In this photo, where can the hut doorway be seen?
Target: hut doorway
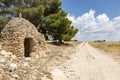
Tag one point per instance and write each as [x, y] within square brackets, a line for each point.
[28, 45]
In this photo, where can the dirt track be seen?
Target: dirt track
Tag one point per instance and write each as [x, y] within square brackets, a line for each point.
[88, 63]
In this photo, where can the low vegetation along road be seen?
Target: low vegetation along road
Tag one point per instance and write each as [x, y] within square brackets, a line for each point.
[88, 63]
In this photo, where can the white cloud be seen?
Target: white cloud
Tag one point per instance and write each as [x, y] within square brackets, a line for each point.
[116, 22]
[96, 28]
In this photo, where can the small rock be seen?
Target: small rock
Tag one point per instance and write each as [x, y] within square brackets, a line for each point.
[5, 53]
[13, 66]
[13, 57]
[15, 76]
[58, 74]
[25, 64]
[2, 59]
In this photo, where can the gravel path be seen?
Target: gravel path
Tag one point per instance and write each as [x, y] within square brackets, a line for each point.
[87, 63]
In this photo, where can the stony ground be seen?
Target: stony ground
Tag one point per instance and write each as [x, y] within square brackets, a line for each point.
[13, 68]
[68, 62]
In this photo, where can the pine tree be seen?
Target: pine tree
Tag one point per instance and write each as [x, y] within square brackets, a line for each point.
[59, 27]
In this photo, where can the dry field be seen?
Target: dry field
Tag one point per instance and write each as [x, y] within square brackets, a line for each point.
[107, 46]
[112, 48]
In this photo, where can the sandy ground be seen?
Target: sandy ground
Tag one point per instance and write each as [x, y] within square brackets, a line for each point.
[87, 63]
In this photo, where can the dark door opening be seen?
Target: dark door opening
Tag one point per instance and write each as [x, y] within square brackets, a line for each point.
[27, 47]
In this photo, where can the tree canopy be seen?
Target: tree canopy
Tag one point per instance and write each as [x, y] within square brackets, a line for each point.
[46, 15]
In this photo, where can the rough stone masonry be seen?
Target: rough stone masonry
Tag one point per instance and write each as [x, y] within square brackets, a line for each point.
[21, 38]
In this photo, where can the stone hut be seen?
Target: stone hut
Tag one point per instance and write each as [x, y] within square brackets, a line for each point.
[21, 38]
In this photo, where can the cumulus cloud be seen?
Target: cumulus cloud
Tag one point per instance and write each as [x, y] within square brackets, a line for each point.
[96, 28]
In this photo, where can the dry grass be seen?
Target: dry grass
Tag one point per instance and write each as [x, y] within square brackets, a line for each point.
[112, 47]
[66, 44]
[56, 49]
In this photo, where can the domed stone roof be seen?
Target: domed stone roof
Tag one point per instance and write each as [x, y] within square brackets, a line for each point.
[21, 38]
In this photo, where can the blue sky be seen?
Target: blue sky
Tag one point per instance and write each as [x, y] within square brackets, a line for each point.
[79, 7]
[95, 19]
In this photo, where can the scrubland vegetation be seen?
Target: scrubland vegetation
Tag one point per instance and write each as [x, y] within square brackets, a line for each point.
[107, 46]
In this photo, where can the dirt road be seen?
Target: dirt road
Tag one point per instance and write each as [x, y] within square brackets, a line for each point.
[87, 63]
